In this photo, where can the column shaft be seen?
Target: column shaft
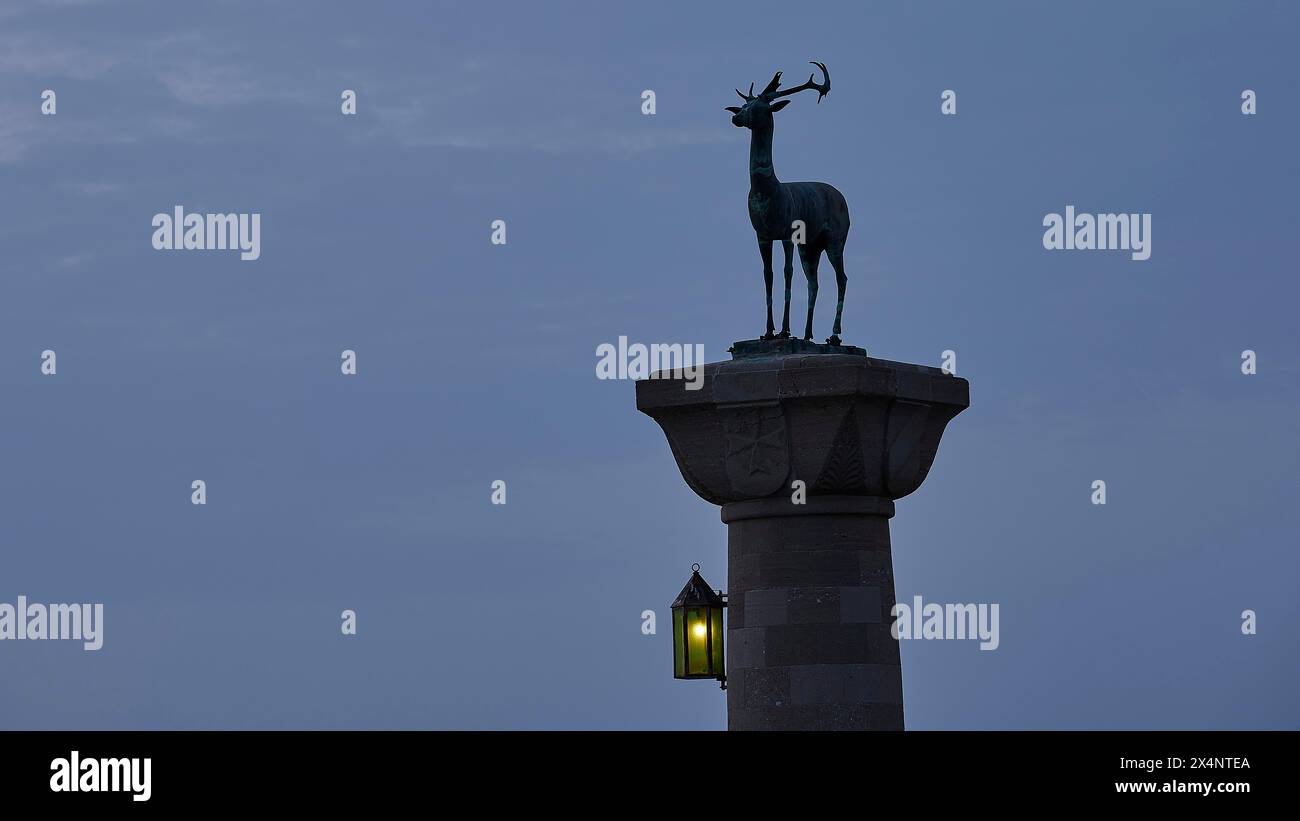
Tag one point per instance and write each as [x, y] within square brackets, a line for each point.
[810, 591]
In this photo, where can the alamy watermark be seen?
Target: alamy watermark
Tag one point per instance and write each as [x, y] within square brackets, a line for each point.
[69, 622]
[654, 361]
[179, 231]
[946, 621]
[1100, 232]
[77, 774]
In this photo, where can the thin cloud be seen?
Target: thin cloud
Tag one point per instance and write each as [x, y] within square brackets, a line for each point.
[31, 54]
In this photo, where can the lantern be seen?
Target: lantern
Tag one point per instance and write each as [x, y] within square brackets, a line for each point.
[697, 631]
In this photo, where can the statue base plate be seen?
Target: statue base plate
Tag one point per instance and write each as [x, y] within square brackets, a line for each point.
[784, 347]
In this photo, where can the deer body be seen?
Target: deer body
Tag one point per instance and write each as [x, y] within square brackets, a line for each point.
[775, 208]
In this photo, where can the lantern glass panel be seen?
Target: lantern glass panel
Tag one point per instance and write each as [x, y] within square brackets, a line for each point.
[679, 645]
[716, 622]
[697, 638]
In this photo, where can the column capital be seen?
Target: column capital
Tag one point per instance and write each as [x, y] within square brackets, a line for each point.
[844, 424]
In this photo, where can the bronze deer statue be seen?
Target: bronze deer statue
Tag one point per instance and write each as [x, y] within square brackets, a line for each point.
[774, 206]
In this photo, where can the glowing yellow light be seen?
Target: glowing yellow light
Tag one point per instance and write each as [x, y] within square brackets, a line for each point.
[699, 631]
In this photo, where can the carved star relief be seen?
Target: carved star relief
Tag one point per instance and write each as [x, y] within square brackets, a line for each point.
[756, 441]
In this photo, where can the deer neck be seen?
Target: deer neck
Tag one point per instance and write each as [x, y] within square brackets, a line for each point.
[762, 177]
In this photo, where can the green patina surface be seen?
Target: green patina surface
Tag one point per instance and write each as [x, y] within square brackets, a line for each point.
[811, 217]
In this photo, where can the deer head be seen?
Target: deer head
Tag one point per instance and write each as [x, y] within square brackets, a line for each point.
[758, 108]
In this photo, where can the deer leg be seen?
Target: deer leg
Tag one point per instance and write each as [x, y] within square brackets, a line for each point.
[809, 257]
[765, 249]
[788, 247]
[835, 254]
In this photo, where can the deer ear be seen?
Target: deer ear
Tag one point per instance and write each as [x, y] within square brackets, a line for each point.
[733, 109]
[778, 106]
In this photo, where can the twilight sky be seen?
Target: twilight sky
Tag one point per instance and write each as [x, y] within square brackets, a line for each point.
[477, 361]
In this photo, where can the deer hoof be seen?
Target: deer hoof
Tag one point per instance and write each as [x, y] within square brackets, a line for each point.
[767, 336]
[784, 334]
[832, 340]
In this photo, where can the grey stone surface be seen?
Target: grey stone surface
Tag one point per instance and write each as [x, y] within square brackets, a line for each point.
[861, 603]
[845, 684]
[809, 646]
[828, 642]
[817, 717]
[766, 687]
[844, 424]
[766, 607]
[814, 605]
[746, 647]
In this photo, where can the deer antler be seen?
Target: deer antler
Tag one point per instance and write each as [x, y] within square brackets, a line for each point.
[822, 89]
[750, 95]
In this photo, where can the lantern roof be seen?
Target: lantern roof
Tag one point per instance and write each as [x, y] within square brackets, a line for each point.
[697, 593]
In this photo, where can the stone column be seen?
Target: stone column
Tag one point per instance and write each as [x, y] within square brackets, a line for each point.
[810, 585]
